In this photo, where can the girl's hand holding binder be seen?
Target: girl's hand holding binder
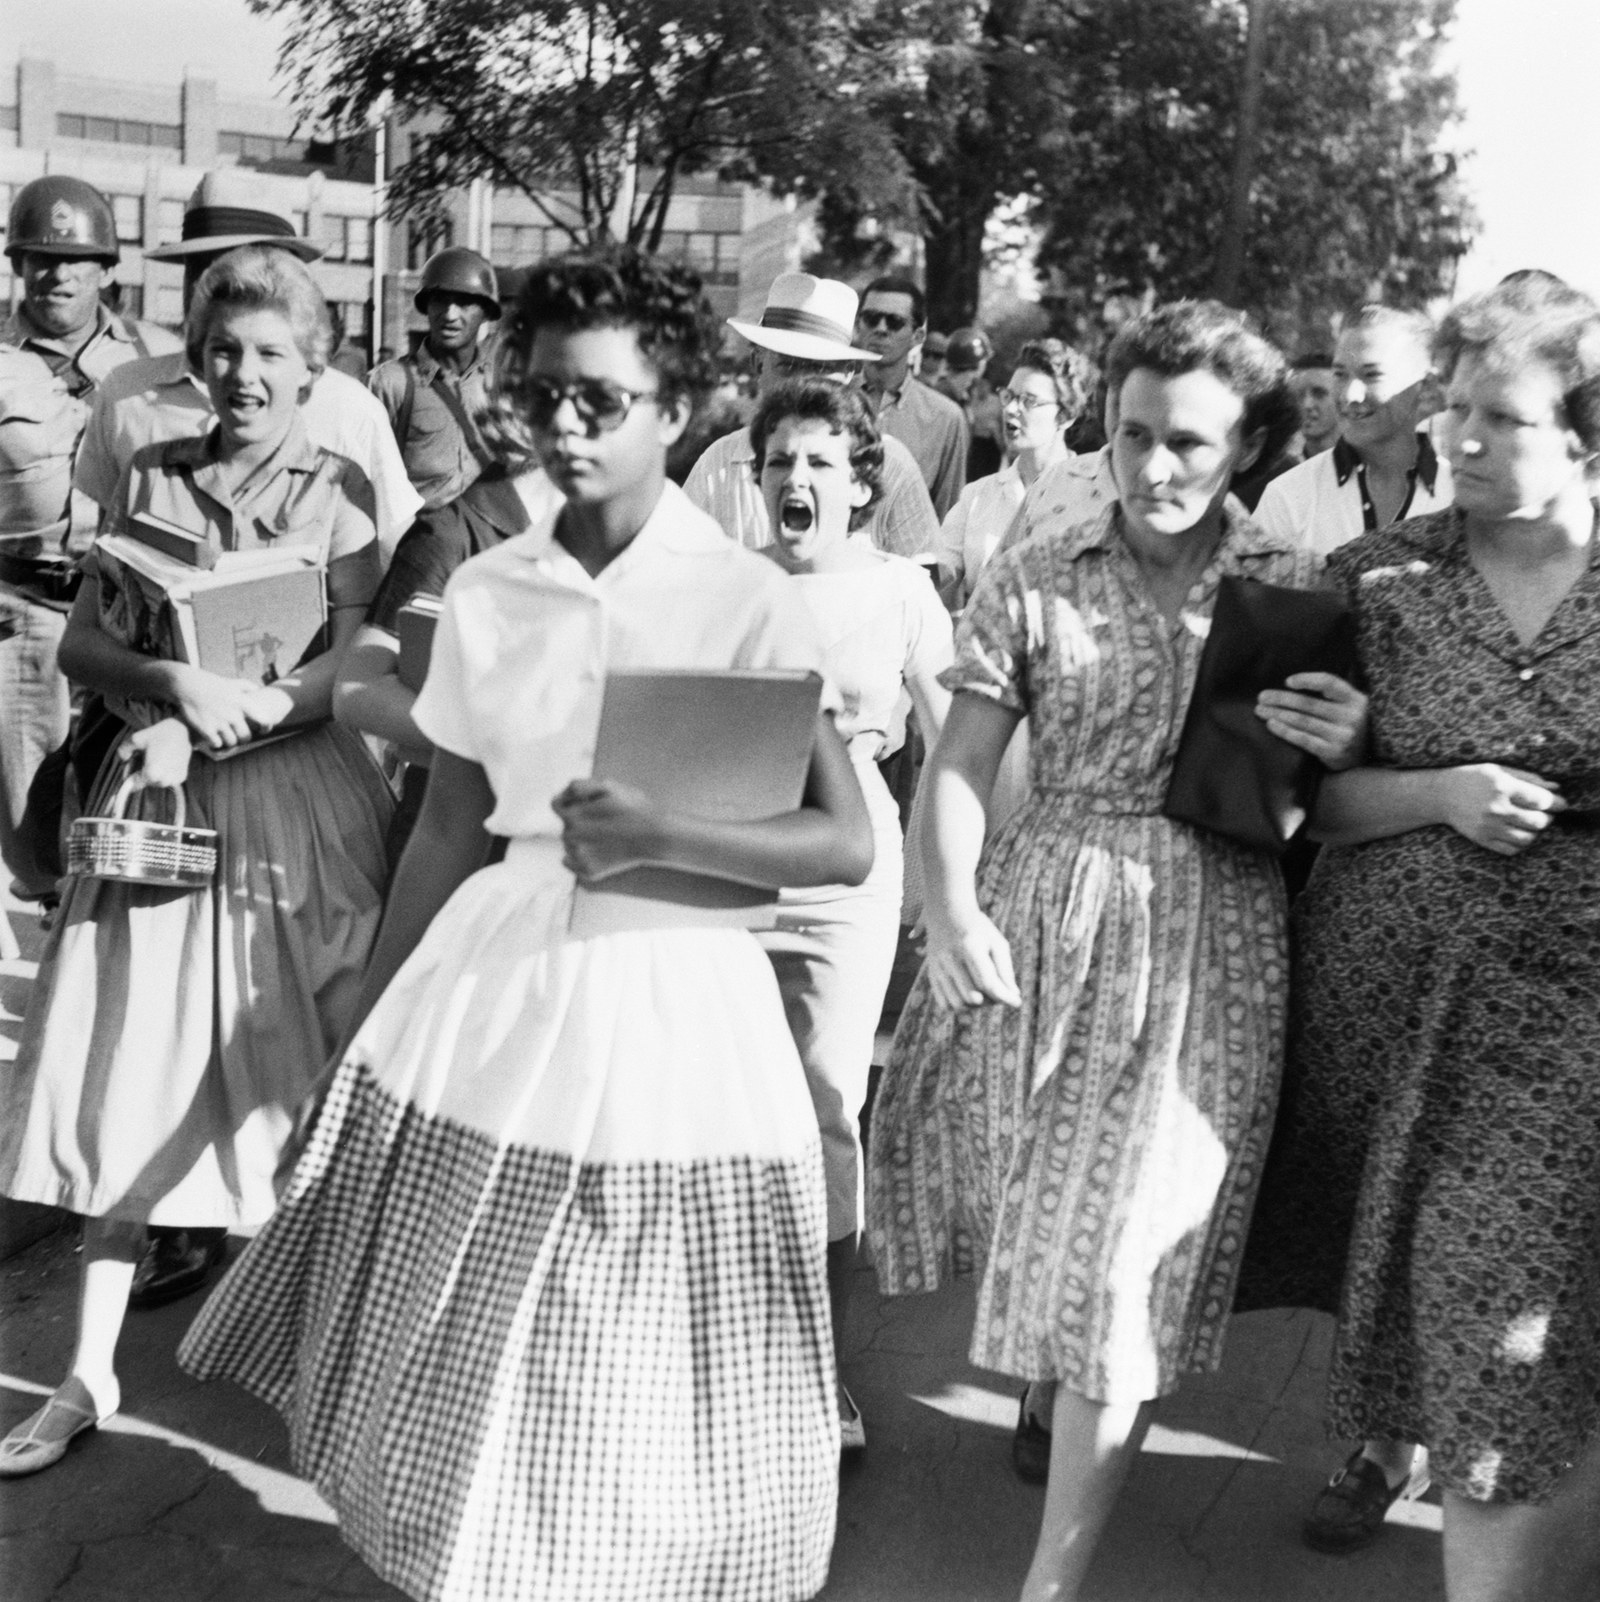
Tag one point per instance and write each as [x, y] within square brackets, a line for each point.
[217, 709]
[608, 828]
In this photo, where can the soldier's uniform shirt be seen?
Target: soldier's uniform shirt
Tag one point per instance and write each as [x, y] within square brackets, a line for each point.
[442, 449]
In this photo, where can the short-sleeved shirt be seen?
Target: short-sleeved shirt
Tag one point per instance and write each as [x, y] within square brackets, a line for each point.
[879, 625]
[46, 392]
[934, 429]
[491, 509]
[443, 449]
[971, 534]
[723, 482]
[159, 399]
[527, 636]
[1064, 495]
[1320, 504]
[303, 495]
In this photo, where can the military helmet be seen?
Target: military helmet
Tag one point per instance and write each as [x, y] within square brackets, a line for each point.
[61, 216]
[458, 271]
[968, 350]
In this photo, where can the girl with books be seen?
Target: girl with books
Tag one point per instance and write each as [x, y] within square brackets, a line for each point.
[819, 458]
[172, 1033]
[544, 1303]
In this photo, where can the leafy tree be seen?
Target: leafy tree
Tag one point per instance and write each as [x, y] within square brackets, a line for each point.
[1119, 119]
[610, 102]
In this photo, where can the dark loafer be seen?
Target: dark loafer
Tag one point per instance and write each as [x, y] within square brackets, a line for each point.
[176, 1262]
[1350, 1509]
[1030, 1446]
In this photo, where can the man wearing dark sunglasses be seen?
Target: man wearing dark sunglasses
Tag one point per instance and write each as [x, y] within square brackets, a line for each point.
[891, 323]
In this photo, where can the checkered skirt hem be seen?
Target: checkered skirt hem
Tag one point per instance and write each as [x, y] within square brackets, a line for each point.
[514, 1374]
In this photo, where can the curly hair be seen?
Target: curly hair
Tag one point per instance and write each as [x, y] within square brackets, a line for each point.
[660, 301]
[1070, 371]
[1189, 336]
[1532, 319]
[844, 412]
[261, 278]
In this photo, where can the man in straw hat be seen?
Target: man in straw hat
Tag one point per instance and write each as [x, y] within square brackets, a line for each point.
[804, 332]
[161, 399]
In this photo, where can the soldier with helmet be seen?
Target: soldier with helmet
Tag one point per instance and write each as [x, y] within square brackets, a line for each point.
[54, 354]
[435, 396]
[965, 380]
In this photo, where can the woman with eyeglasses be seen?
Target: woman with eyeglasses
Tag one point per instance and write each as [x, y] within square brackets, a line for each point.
[545, 1302]
[1046, 395]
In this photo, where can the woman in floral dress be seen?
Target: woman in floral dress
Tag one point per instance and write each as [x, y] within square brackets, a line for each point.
[1082, 1085]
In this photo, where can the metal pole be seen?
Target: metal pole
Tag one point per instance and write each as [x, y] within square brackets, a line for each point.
[380, 237]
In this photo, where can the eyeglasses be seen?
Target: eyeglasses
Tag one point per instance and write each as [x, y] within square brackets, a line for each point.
[602, 406]
[890, 322]
[1029, 403]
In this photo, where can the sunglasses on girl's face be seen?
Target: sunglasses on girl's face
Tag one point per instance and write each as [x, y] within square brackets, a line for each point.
[601, 405]
[890, 322]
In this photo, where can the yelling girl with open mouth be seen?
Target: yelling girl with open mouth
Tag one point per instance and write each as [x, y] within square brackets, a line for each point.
[819, 457]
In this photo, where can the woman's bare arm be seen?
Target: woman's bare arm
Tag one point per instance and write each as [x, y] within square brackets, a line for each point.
[369, 696]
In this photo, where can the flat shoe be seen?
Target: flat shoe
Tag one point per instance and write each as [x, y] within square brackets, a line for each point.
[852, 1432]
[175, 1263]
[43, 1437]
[1350, 1509]
[1030, 1446]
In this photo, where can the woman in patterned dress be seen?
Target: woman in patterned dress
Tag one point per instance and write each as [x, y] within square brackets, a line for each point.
[819, 458]
[1082, 1084]
[545, 1301]
[1447, 984]
[172, 1034]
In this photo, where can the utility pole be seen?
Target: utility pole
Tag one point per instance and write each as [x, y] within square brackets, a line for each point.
[1236, 225]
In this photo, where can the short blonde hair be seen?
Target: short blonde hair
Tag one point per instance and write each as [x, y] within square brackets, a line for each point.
[261, 278]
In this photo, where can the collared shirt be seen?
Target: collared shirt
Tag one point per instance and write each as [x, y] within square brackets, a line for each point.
[1065, 494]
[1323, 503]
[302, 495]
[443, 449]
[971, 534]
[149, 401]
[723, 482]
[46, 391]
[934, 429]
[527, 636]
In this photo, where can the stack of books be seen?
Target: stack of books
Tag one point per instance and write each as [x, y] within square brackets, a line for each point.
[168, 592]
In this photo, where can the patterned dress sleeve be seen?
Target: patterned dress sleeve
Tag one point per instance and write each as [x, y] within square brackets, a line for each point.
[992, 643]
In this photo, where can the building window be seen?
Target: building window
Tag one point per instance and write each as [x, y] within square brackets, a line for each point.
[130, 300]
[425, 239]
[8, 118]
[169, 305]
[715, 257]
[254, 150]
[119, 130]
[523, 244]
[129, 212]
[348, 238]
[169, 221]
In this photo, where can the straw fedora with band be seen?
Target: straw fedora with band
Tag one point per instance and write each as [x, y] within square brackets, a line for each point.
[809, 318]
[228, 209]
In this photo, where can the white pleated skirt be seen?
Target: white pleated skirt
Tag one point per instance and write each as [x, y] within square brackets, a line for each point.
[545, 1302]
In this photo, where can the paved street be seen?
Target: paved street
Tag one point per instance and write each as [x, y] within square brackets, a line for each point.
[187, 1496]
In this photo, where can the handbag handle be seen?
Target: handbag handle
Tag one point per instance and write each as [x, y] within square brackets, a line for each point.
[119, 807]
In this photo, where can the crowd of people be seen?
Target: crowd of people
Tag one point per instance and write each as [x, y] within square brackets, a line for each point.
[551, 1234]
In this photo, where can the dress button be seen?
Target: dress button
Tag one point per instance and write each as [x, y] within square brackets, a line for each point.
[1525, 675]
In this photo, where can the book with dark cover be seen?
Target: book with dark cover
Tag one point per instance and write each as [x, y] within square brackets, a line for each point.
[414, 624]
[1232, 775]
[181, 544]
[729, 745]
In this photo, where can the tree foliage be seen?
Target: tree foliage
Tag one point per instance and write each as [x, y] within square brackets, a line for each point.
[610, 101]
[1118, 119]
